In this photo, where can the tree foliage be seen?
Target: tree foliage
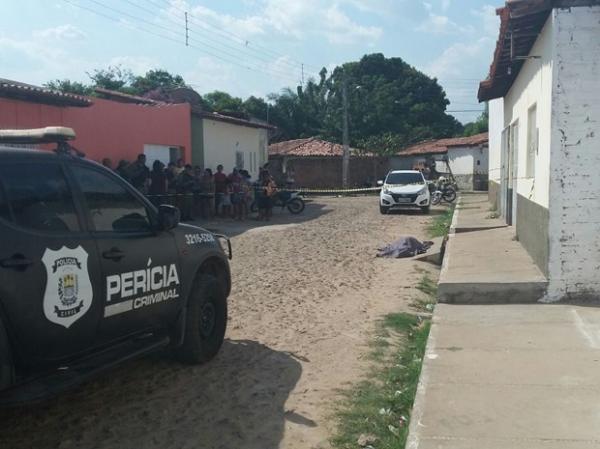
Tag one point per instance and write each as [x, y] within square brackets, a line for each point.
[478, 126]
[390, 103]
[69, 87]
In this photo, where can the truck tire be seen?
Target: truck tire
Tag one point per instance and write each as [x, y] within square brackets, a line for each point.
[6, 365]
[206, 322]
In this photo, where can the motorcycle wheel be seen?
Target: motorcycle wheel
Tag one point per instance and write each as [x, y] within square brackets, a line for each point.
[296, 205]
[449, 195]
[253, 207]
[436, 198]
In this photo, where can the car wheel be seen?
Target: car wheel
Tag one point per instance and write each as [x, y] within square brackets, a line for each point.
[425, 209]
[206, 321]
[384, 210]
[6, 365]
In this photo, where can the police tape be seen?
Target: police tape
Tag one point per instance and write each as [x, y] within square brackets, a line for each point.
[299, 191]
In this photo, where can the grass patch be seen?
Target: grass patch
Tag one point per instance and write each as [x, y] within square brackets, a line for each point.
[377, 410]
[429, 287]
[440, 226]
[379, 407]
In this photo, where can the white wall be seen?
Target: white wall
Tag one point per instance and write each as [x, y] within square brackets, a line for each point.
[222, 140]
[533, 86]
[496, 125]
[463, 160]
[574, 261]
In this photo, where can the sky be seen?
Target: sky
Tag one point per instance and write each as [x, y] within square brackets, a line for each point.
[249, 47]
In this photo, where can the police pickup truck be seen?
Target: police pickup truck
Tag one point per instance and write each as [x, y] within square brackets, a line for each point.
[92, 274]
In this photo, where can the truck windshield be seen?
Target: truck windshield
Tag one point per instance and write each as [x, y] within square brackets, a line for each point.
[404, 178]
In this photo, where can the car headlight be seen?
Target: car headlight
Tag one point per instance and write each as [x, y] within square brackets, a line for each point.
[424, 190]
[387, 191]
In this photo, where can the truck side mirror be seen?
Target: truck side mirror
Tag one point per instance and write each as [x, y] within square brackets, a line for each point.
[168, 217]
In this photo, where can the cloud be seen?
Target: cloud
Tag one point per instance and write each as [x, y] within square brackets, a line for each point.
[455, 58]
[289, 18]
[489, 19]
[445, 5]
[139, 65]
[440, 24]
[61, 32]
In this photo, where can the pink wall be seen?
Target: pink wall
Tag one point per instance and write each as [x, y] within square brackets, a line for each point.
[107, 128]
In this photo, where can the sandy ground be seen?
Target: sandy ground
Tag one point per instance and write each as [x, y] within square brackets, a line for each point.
[307, 292]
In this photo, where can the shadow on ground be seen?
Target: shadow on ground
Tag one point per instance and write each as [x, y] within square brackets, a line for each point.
[235, 401]
[281, 217]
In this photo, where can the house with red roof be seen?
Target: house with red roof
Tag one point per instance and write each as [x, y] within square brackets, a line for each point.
[465, 157]
[317, 163]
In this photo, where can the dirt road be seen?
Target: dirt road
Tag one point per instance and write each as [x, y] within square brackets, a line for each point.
[307, 292]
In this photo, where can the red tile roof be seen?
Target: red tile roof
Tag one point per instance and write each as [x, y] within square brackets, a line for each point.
[311, 147]
[28, 92]
[441, 146]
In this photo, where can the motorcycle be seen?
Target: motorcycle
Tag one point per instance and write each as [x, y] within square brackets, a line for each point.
[443, 190]
[285, 198]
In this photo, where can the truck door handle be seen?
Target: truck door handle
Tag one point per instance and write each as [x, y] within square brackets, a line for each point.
[16, 262]
[113, 254]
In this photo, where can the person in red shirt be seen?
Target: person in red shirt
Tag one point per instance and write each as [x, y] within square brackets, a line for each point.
[220, 189]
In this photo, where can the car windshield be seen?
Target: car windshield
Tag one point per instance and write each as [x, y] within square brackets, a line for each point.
[404, 178]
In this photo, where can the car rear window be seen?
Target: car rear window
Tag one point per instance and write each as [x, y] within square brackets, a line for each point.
[38, 196]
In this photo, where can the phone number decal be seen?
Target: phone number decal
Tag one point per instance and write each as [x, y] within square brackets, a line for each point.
[196, 239]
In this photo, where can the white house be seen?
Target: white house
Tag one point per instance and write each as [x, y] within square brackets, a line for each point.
[229, 141]
[467, 159]
[544, 93]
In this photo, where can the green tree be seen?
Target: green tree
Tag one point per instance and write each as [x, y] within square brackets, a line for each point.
[220, 101]
[69, 87]
[389, 103]
[113, 78]
[478, 126]
[155, 79]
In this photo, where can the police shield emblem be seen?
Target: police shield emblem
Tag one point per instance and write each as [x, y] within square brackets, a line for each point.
[69, 293]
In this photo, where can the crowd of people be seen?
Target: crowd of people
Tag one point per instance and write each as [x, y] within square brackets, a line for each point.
[200, 192]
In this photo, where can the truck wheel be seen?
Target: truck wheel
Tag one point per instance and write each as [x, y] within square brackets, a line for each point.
[6, 366]
[206, 321]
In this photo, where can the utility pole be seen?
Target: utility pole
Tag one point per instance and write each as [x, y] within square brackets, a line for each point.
[186, 30]
[302, 75]
[346, 151]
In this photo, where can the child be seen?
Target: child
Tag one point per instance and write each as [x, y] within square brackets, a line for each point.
[226, 201]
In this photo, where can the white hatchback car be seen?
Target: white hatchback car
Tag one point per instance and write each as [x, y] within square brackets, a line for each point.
[404, 188]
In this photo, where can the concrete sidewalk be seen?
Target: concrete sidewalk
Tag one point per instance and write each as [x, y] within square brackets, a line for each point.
[483, 262]
[510, 377]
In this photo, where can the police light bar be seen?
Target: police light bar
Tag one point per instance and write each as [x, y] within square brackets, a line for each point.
[49, 134]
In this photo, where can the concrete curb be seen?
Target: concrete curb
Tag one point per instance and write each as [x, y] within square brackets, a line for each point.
[418, 409]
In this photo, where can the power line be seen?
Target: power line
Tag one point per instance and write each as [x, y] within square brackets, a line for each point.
[210, 39]
[239, 39]
[281, 72]
[137, 27]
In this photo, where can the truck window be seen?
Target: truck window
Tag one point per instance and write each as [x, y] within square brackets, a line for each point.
[112, 207]
[39, 197]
